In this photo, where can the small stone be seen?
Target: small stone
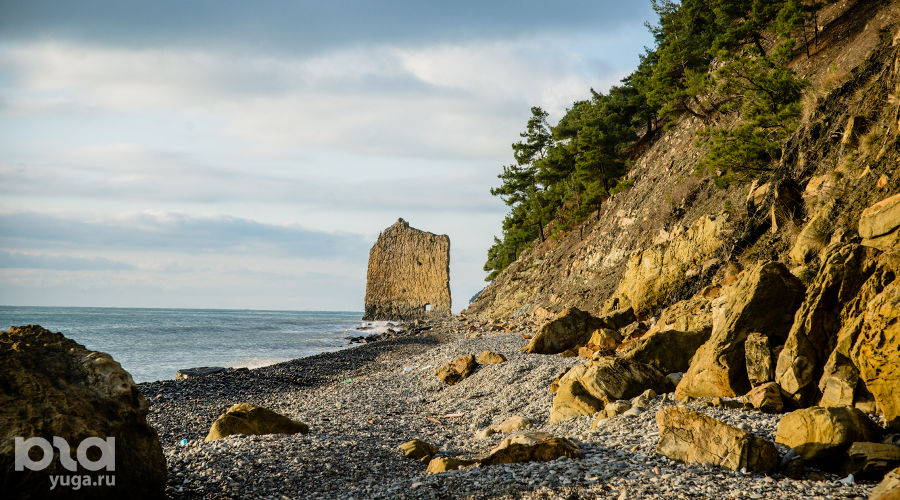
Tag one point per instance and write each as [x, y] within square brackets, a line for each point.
[418, 450]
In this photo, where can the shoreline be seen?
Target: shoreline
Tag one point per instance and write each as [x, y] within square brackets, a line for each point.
[362, 402]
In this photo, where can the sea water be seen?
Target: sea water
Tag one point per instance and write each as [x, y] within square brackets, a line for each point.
[152, 344]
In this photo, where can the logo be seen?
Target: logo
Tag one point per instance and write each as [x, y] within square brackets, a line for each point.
[106, 446]
[106, 460]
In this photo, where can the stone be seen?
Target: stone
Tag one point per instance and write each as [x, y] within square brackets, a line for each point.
[604, 339]
[876, 352]
[888, 488]
[509, 425]
[644, 399]
[813, 336]
[513, 424]
[634, 330]
[531, 447]
[245, 418]
[758, 357]
[885, 242]
[418, 450]
[764, 299]
[490, 358]
[870, 461]
[569, 329]
[611, 410]
[818, 434]
[668, 350]
[839, 380]
[458, 369]
[880, 218]
[619, 318]
[196, 372]
[408, 276]
[765, 398]
[585, 389]
[444, 464]
[689, 436]
[53, 386]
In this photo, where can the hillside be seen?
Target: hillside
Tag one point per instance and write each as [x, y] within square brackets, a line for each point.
[674, 232]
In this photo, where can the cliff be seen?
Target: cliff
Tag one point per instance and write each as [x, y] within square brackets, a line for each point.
[408, 275]
[674, 232]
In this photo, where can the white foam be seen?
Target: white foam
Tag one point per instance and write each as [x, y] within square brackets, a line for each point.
[258, 362]
[379, 327]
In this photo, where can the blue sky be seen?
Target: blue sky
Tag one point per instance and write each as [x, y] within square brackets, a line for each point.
[247, 154]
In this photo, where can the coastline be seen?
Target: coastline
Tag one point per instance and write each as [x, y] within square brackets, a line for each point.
[362, 402]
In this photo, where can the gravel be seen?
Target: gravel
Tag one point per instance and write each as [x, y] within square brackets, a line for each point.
[361, 403]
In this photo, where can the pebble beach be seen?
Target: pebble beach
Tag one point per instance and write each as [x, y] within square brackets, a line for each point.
[361, 403]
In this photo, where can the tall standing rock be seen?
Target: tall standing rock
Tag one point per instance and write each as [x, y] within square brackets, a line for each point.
[877, 352]
[815, 332]
[409, 275]
[763, 300]
[53, 386]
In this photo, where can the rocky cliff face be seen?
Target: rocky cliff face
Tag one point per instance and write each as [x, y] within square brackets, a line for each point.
[674, 233]
[409, 275]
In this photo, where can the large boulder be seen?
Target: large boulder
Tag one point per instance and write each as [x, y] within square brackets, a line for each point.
[570, 328]
[763, 300]
[818, 434]
[765, 398]
[531, 447]
[689, 436]
[888, 488]
[53, 386]
[813, 335]
[871, 460]
[585, 389]
[458, 369]
[878, 224]
[877, 352]
[245, 418]
[672, 341]
[668, 350]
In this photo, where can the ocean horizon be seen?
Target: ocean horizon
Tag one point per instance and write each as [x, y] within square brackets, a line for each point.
[154, 343]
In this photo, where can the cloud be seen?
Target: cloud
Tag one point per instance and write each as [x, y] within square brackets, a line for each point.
[305, 26]
[164, 231]
[15, 260]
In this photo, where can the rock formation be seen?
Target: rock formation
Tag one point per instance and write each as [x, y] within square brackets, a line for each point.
[819, 433]
[763, 300]
[409, 275]
[570, 328]
[245, 418]
[693, 437]
[586, 389]
[458, 369]
[53, 386]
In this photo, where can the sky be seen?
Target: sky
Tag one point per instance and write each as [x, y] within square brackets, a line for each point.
[246, 155]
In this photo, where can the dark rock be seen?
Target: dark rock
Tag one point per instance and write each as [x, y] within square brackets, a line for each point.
[53, 386]
[196, 372]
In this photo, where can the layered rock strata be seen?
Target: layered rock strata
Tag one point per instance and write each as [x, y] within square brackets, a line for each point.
[409, 275]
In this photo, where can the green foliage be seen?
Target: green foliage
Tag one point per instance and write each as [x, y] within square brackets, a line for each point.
[710, 58]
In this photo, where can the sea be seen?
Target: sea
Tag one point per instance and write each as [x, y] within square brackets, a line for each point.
[153, 344]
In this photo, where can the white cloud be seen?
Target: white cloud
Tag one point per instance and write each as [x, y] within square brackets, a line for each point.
[344, 138]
